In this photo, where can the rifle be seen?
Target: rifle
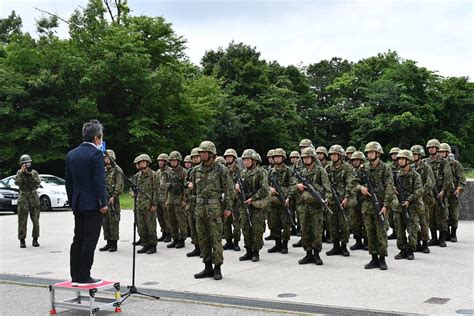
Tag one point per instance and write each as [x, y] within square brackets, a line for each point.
[111, 206]
[312, 190]
[281, 196]
[401, 195]
[440, 201]
[337, 199]
[243, 198]
[373, 196]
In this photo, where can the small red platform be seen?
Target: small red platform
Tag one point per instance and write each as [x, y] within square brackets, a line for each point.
[68, 284]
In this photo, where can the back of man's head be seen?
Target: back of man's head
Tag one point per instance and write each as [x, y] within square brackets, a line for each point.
[91, 129]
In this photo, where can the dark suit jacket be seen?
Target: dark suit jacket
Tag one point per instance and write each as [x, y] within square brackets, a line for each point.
[85, 178]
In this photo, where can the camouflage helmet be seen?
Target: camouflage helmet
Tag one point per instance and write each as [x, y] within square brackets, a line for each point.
[270, 153]
[249, 153]
[445, 147]
[405, 153]
[308, 152]
[175, 155]
[294, 153]
[374, 146]
[418, 149]
[230, 152]
[279, 152]
[394, 150]
[321, 150]
[305, 143]
[433, 143]
[337, 149]
[194, 152]
[258, 157]
[142, 157]
[111, 154]
[188, 159]
[350, 150]
[220, 160]
[208, 146]
[358, 155]
[25, 158]
[164, 157]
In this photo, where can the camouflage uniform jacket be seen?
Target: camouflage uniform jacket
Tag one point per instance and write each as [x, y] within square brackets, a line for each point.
[114, 182]
[284, 175]
[341, 178]
[427, 178]
[442, 173]
[412, 188]
[175, 185]
[147, 183]
[255, 181]
[459, 178]
[318, 177]
[162, 180]
[27, 182]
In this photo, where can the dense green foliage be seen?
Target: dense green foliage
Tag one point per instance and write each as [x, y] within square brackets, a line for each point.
[131, 73]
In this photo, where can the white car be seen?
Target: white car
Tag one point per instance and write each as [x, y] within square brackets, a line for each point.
[52, 191]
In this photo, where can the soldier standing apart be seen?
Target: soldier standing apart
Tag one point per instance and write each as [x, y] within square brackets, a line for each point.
[311, 211]
[28, 181]
[357, 221]
[341, 176]
[175, 201]
[393, 163]
[453, 194]
[213, 186]
[381, 177]
[232, 236]
[161, 187]
[146, 205]
[114, 187]
[256, 191]
[412, 187]
[443, 183]
[281, 220]
[191, 204]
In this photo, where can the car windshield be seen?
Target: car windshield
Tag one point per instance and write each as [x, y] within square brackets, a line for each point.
[53, 180]
[3, 184]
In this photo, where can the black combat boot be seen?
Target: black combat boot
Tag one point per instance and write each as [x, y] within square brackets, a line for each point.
[284, 247]
[167, 237]
[236, 245]
[228, 245]
[454, 237]
[269, 237]
[217, 272]
[418, 244]
[336, 249]
[207, 272]
[247, 256]
[374, 263]
[143, 250]
[277, 247]
[151, 249]
[344, 251]
[366, 244]
[298, 244]
[22, 243]
[317, 258]
[382, 263]
[442, 238]
[393, 235]
[434, 238]
[401, 255]
[162, 237]
[196, 252]
[106, 247]
[137, 243]
[255, 256]
[424, 247]
[35, 242]
[358, 245]
[309, 258]
[179, 244]
[113, 246]
[173, 244]
[410, 255]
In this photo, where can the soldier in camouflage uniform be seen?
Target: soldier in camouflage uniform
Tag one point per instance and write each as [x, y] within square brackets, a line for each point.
[294, 161]
[268, 210]
[232, 236]
[355, 201]
[146, 204]
[28, 181]
[213, 186]
[427, 178]
[453, 194]
[412, 192]
[114, 187]
[294, 158]
[191, 203]
[311, 211]
[188, 162]
[393, 163]
[281, 220]
[256, 191]
[349, 151]
[443, 183]
[322, 154]
[341, 175]
[161, 186]
[175, 203]
[382, 179]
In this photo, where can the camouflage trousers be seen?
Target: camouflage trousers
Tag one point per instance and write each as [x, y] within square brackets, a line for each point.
[192, 224]
[357, 222]
[326, 222]
[178, 221]
[391, 220]
[209, 230]
[147, 227]
[28, 203]
[339, 226]
[439, 217]
[232, 226]
[163, 219]
[454, 209]
[311, 219]
[404, 226]
[268, 216]
[376, 232]
[425, 218]
[281, 222]
[253, 236]
[111, 221]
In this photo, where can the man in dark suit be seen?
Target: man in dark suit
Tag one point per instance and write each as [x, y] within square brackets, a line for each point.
[85, 186]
